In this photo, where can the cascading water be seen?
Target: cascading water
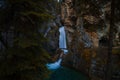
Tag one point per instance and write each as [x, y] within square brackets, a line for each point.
[62, 46]
[54, 65]
[62, 39]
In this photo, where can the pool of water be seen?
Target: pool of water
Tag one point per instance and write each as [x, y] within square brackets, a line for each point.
[64, 73]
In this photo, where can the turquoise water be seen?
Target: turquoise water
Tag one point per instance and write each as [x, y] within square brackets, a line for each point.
[66, 74]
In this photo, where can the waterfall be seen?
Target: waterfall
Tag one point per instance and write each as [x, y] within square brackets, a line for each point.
[62, 39]
[62, 46]
[54, 65]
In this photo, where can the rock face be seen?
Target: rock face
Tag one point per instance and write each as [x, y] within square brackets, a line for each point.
[77, 37]
[52, 35]
[74, 23]
[83, 44]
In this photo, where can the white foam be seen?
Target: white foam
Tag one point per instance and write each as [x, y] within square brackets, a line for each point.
[55, 65]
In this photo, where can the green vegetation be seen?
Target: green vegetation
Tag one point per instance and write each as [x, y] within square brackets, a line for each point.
[24, 49]
[116, 51]
[23, 56]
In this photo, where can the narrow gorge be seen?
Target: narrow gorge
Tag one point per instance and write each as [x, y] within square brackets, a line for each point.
[59, 40]
[86, 39]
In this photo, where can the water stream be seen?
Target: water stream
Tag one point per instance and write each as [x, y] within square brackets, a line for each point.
[59, 72]
[62, 40]
[62, 46]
